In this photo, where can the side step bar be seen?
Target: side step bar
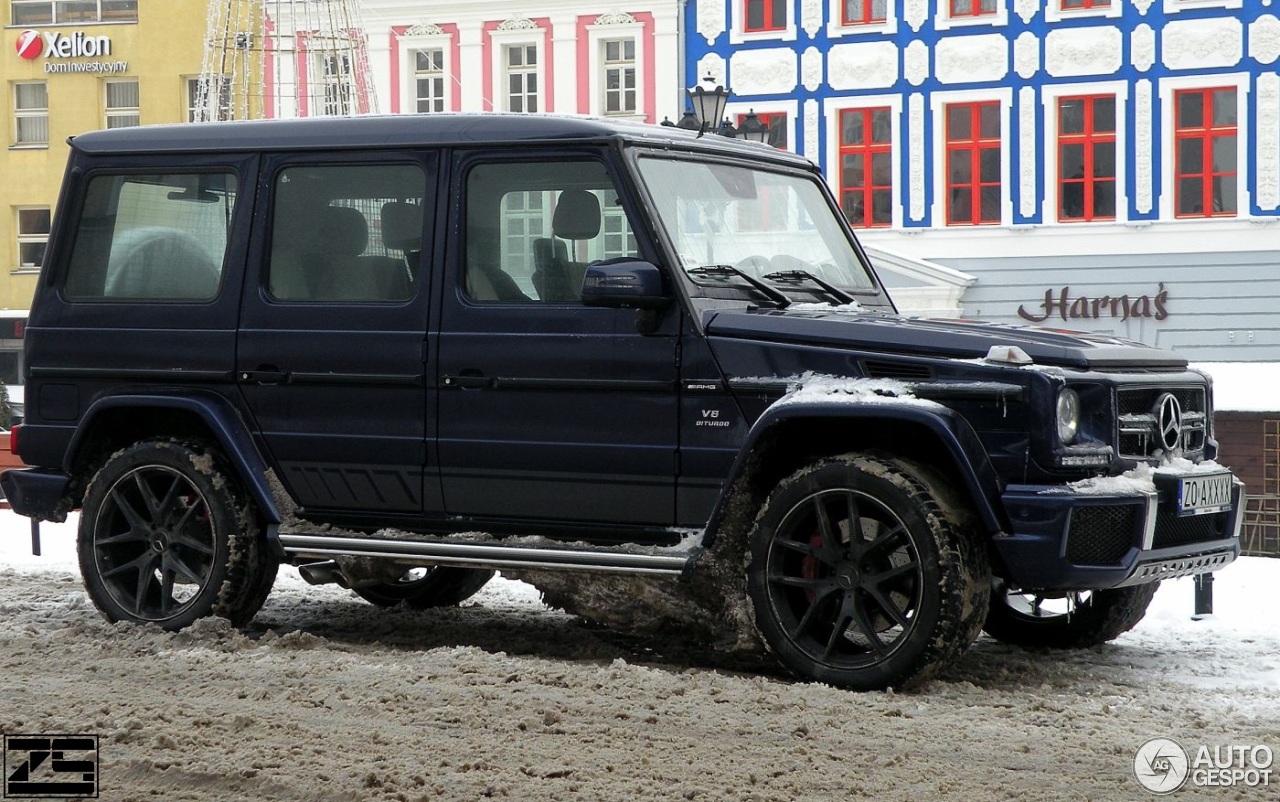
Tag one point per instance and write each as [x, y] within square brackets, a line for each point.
[490, 555]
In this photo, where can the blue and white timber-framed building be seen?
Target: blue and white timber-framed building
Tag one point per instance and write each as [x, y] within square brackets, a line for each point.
[1102, 165]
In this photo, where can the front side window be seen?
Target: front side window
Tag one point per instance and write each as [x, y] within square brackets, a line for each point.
[68, 12]
[764, 15]
[863, 12]
[122, 104]
[346, 233]
[619, 67]
[31, 113]
[522, 78]
[763, 223]
[532, 229]
[1205, 152]
[33, 236]
[1087, 158]
[146, 237]
[429, 80]
[974, 193]
[866, 167]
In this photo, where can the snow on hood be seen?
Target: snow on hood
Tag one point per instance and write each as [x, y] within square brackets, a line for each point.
[812, 388]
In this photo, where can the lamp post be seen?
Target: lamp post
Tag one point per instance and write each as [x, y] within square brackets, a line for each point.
[708, 103]
[752, 129]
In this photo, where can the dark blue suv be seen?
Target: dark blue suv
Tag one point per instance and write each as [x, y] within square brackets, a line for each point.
[650, 372]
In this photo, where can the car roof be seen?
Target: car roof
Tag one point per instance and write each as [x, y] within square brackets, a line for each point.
[400, 130]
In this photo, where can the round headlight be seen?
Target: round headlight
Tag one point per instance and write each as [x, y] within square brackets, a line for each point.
[1068, 416]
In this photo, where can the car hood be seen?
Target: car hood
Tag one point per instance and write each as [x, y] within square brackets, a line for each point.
[955, 339]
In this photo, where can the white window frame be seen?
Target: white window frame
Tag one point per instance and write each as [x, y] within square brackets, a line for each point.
[119, 112]
[1176, 6]
[441, 76]
[225, 111]
[322, 79]
[53, 15]
[943, 21]
[938, 103]
[831, 113]
[1054, 12]
[738, 24]
[28, 239]
[524, 37]
[1168, 86]
[31, 113]
[597, 35]
[837, 29]
[1049, 97]
[409, 46]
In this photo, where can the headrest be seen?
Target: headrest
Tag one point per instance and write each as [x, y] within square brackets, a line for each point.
[577, 215]
[343, 231]
[402, 226]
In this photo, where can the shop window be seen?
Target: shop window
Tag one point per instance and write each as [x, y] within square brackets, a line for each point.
[866, 167]
[429, 80]
[973, 163]
[122, 104]
[1205, 160]
[69, 12]
[863, 12]
[619, 68]
[31, 113]
[1087, 158]
[522, 78]
[33, 236]
[764, 15]
[198, 105]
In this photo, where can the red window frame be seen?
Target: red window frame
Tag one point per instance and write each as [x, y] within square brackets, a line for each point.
[866, 16]
[866, 186]
[960, 9]
[970, 149]
[1082, 5]
[773, 15]
[1207, 134]
[1086, 186]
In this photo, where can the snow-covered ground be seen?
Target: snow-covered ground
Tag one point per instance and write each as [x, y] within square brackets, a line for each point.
[328, 698]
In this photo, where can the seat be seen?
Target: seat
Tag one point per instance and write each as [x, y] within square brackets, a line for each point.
[577, 217]
[486, 280]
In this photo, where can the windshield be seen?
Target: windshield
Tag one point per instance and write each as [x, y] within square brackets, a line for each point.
[762, 223]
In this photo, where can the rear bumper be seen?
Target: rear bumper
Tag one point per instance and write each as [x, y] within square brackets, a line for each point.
[35, 493]
[1064, 541]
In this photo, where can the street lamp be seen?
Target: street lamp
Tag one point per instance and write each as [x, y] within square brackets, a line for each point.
[752, 129]
[708, 104]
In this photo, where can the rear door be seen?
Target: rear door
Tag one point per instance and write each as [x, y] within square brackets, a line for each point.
[549, 409]
[331, 343]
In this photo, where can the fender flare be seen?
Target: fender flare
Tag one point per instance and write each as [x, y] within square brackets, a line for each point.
[952, 431]
[222, 419]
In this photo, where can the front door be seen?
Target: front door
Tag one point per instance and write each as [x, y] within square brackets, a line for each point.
[332, 335]
[549, 409]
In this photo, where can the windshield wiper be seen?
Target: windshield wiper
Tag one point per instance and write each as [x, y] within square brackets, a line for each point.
[774, 294]
[804, 275]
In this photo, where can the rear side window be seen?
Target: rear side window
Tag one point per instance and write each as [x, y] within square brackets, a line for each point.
[152, 237]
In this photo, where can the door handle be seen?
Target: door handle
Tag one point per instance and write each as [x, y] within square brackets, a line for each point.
[265, 374]
[468, 380]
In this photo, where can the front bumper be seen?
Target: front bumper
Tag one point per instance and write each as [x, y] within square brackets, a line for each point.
[1061, 540]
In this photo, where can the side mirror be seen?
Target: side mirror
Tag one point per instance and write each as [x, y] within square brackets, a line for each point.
[624, 282]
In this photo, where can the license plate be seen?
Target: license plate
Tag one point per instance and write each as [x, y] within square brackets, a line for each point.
[1205, 493]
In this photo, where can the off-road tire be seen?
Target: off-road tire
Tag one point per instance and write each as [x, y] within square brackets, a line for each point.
[1098, 617]
[442, 586]
[168, 536]
[890, 609]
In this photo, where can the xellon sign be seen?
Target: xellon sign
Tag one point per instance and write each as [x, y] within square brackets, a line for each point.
[54, 45]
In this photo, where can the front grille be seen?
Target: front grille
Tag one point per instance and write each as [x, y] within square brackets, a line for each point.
[1139, 435]
[1172, 530]
[1101, 535]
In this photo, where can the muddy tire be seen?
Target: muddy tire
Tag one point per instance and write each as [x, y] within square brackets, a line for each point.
[1071, 620]
[421, 588]
[167, 536]
[864, 573]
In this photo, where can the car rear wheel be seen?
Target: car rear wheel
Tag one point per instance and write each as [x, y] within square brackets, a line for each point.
[863, 574]
[168, 537]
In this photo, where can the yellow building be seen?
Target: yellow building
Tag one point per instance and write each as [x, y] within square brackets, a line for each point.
[75, 67]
